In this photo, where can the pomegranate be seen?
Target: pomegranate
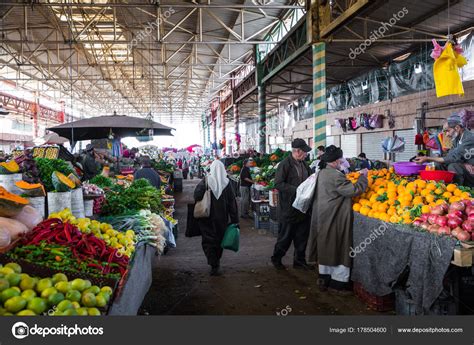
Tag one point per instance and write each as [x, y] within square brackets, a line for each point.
[432, 218]
[455, 213]
[456, 231]
[454, 222]
[463, 236]
[438, 210]
[458, 206]
[417, 222]
[468, 226]
[442, 221]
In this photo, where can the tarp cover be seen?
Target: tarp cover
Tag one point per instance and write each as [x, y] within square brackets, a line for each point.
[385, 257]
[137, 283]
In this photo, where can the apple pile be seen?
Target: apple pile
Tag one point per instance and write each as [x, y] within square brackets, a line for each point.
[455, 220]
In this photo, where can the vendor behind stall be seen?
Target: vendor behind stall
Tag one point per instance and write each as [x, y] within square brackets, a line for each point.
[147, 172]
[460, 158]
[91, 165]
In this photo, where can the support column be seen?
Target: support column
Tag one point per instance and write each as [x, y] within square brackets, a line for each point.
[223, 140]
[236, 126]
[214, 130]
[319, 94]
[262, 118]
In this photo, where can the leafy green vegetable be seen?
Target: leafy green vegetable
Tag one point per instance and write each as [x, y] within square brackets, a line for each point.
[101, 181]
[48, 166]
[139, 196]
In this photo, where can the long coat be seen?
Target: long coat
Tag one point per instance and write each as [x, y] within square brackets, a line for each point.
[287, 181]
[223, 212]
[332, 218]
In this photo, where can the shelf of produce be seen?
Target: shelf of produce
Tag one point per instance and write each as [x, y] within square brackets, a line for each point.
[137, 283]
[385, 254]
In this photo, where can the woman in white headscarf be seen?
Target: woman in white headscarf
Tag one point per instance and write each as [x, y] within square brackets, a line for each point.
[223, 212]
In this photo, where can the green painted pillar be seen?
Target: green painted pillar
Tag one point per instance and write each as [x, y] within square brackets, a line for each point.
[319, 94]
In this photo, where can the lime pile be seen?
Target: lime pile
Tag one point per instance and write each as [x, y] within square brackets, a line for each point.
[21, 294]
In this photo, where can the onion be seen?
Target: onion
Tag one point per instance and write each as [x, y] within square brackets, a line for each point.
[441, 220]
[425, 226]
[424, 217]
[444, 230]
[417, 222]
[468, 226]
[463, 236]
[438, 210]
[432, 218]
[471, 216]
[458, 206]
[445, 207]
[454, 222]
[456, 231]
[455, 214]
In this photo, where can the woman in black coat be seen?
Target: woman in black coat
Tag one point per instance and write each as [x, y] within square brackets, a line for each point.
[223, 212]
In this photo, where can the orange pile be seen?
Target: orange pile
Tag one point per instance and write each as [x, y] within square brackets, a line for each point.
[395, 199]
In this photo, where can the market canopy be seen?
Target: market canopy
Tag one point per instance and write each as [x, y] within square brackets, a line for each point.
[102, 126]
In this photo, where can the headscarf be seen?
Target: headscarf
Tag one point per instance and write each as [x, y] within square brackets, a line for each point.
[217, 179]
[454, 120]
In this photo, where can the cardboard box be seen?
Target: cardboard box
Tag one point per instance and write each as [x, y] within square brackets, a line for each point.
[462, 257]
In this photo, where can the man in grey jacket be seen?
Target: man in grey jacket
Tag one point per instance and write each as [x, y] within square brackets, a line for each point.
[460, 158]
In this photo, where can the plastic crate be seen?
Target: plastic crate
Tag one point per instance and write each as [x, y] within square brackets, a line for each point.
[261, 222]
[274, 228]
[404, 305]
[273, 197]
[273, 213]
[377, 303]
[257, 194]
[261, 208]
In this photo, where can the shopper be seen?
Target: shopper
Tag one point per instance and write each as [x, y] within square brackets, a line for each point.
[185, 169]
[365, 163]
[91, 164]
[148, 173]
[320, 151]
[460, 158]
[223, 213]
[294, 227]
[245, 184]
[330, 238]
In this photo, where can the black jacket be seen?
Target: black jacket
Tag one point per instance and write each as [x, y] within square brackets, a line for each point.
[151, 175]
[287, 181]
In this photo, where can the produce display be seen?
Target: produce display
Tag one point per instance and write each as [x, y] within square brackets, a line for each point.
[22, 294]
[84, 246]
[123, 243]
[396, 199]
[31, 172]
[11, 204]
[92, 190]
[10, 167]
[455, 220]
[140, 195]
[31, 189]
[61, 182]
[102, 181]
[48, 168]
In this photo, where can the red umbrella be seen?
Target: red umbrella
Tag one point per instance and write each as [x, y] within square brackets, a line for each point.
[190, 148]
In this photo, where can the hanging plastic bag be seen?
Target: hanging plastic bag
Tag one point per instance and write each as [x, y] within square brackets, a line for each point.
[432, 143]
[305, 193]
[446, 73]
[437, 50]
[419, 139]
[231, 238]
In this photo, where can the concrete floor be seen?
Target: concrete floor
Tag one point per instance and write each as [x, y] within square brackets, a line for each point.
[249, 285]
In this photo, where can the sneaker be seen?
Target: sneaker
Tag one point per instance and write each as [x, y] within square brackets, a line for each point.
[278, 264]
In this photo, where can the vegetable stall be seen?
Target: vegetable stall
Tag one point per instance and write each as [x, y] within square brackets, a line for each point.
[73, 248]
[407, 239]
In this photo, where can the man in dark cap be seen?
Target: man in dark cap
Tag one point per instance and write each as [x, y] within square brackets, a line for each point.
[294, 227]
[147, 172]
[330, 238]
[460, 158]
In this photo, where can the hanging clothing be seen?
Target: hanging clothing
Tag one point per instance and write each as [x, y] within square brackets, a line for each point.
[330, 236]
[446, 73]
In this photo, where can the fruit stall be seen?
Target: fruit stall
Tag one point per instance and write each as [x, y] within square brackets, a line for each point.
[72, 248]
[410, 232]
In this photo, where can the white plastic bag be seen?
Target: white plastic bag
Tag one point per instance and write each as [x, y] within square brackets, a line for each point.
[304, 193]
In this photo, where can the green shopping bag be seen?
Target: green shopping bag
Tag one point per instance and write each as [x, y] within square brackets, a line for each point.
[231, 238]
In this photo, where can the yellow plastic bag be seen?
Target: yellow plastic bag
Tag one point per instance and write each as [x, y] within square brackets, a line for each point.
[446, 73]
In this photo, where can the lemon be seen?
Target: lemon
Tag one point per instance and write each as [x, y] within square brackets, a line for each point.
[26, 312]
[27, 283]
[4, 284]
[14, 266]
[28, 294]
[63, 287]
[93, 312]
[48, 292]
[15, 304]
[43, 284]
[8, 293]
[37, 305]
